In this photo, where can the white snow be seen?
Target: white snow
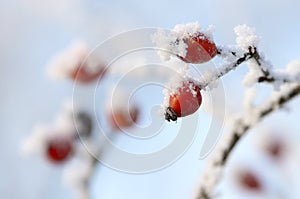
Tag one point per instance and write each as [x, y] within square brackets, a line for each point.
[290, 73]
[209, 78]
[78, 54]
[170, 43]
[187, 29]
[176, 82]
[254, 73]
[77, 174]
[64, 120]
[36, 143]
[246, 37]
[249, 98]
[293, 69]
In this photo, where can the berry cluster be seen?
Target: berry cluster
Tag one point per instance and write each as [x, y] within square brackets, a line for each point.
[192, 47]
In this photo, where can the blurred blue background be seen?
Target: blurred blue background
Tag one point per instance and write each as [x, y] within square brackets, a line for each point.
[32, 31]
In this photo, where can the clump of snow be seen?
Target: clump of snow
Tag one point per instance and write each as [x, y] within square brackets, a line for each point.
[178, 80]
[67, 61]
[246, 37]
[168, 44]
[36, 143]
[79, 172]
[64, 120]
[254, 73]
[172, 42]
[293, 69]
[290, 73]
[172, 87]
[187, 29]
[209, 32]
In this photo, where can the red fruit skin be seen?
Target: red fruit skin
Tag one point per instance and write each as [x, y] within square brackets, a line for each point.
[199, 49]
[83, 76]
[249, 181]
[276, 148]
[59, 149]
[185, 102]
[122, 119]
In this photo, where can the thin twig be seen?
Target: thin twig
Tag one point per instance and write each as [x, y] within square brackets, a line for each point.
[95, 158]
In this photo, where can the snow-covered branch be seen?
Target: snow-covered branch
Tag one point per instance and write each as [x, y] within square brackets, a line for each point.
[238, 130]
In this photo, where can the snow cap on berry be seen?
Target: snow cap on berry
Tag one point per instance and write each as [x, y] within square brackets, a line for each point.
[36, 143]
[172, 42]
[63, 126]
[67, 61]
[175, 83]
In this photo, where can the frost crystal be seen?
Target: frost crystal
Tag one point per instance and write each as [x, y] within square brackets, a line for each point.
[246, 37]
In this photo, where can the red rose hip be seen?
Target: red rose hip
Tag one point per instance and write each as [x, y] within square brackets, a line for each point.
[82, 74]
[199, 49]
[185, 102]
[59, 149]
[119, 118]
[249, 181]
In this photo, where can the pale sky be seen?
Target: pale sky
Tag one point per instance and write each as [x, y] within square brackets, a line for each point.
[33, 31]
